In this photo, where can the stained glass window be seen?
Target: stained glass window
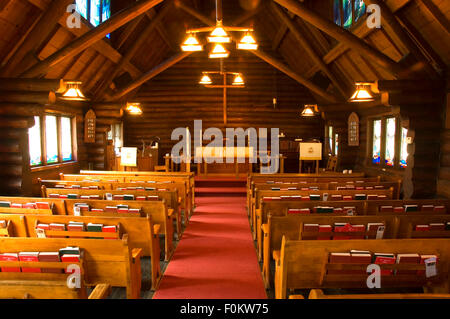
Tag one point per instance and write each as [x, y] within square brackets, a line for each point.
[94, 17]
[330, 139]
[34, 142]
[336, 147]
[81, 7]
[51, 138]
[95, 11]
[376, 142]
[352, 11]
[66, 139]
[390, 141]
[403, 148]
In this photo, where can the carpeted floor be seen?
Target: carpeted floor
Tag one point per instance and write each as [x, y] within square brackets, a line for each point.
[216, 257]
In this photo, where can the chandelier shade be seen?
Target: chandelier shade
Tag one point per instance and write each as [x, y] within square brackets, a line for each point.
[73, 92]
[362, 93]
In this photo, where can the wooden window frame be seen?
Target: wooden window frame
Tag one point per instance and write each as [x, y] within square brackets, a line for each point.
[73, 134]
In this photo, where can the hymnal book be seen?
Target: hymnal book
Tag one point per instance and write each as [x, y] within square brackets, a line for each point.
[75, 226]
[304, 189]
[72, 196]
[60, 186]
[447, 226]
[379, 187]
[372, 197]
[152, 197]
[437, 226]
[340, 188]
[292, 188]
[342, 227]
[350, 210]
[109, 229]
[111, 209]
[123, 210]
[84, 197]
[43, 205]
[340, 258]
[57, 226]
[93, 187]
[29, 256]
[5, 204]
[93, 227]
[285, 197]
[299, 211]
[305, 198]
[141, 198]
[350, 187]
[422, 227]
[128, 197]
[358, 188]
[16, 205]
[347, 197]
[324, 209]
[40, 230]
[94, 196]
[407, 259]
[53, 195]
[117, 197]
[399, 209]
[270, 182]
[97, 210]
[296, 197]
[384, 258]
[76, 186]
[427, 208]
[108, 196]
[70, 258]
[386, 209]
[380, 197]
[83, 206]
[30, 205]
[375, 227]
[338, 210]
[370, 187]
[122, 206]
[150, 189]
[314, 197]
[411, 208]
[275, 188]
[360, 196]
[310, 227]
[69, 250]
[52, 256]
[324, 229]
[63, 196]
[85, 187]
[360, 257]
[134, 210]
[336, 197]
[440, 209]
[9, 257]
[422, 261]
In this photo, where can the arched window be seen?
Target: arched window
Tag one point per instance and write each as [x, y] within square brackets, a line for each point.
[347, 12]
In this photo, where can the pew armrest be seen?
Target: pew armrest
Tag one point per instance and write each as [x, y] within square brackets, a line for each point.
[156, 229]
[265, 229]
[101, 291]
[276, 255]
[136, 253]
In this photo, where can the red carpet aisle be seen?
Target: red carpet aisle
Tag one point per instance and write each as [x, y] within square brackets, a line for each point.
[216, 257]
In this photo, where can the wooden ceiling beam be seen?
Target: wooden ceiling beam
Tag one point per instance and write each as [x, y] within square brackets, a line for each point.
[47, 22]
[437, 14]
[92, 36]
[149, 75]
[151, 14]
[129, 29]
[268, 59]
[341, 35]
[303, 43]
[389, 18]
[133, 48]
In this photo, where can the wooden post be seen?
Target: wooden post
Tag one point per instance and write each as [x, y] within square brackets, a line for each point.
[224, 98]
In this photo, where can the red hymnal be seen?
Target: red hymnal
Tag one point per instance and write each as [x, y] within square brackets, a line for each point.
[382, 197]
[440, 209]
[373, 227]
[153, 197]
[109, 229]
[324, 229]
[381, 258]
[437, 226]
[97, 210]
[399, 209]
[347, 197]
[30, 205]
[140, 198]
[299, 211]
[67, 258]
[340, 258]
[9, 257]
[336, 197]
[359, 257]
[29, 256]
[422, 227]
[52, 256]
[386, 209]
[57, 226]
[16, 205]
[42, 205]
[134, 210]
[407, 259]
[426, 208]
[372, 197]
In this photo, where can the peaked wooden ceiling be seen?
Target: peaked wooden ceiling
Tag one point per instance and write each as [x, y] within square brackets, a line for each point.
[410, 43]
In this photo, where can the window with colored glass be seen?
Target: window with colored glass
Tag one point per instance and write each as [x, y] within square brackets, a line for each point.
[376, 142]
[404, 148]
[51, 139]
[330, 139]
[390, 141]
[347, 12]
[66, 139]
[336, 144]
[34, 142]
[94, 11]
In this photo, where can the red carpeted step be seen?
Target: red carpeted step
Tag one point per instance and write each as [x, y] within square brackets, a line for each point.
[216, 257]
[220, 191]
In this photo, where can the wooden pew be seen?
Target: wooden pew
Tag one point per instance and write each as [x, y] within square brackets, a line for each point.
[27, 285]
[318, 294]
[373, 207]
[58, 206]
[16, 226]
[179, 186]
[105, 261]
[280, 208]
[291, 226]
[157, 210]
[170, 198]
[303, 264]
[142, 233]
[271, 193]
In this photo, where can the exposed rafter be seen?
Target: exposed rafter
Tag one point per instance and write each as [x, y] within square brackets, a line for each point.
[437, 14]
[303, 42]
[92, 37]
[341, 35]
